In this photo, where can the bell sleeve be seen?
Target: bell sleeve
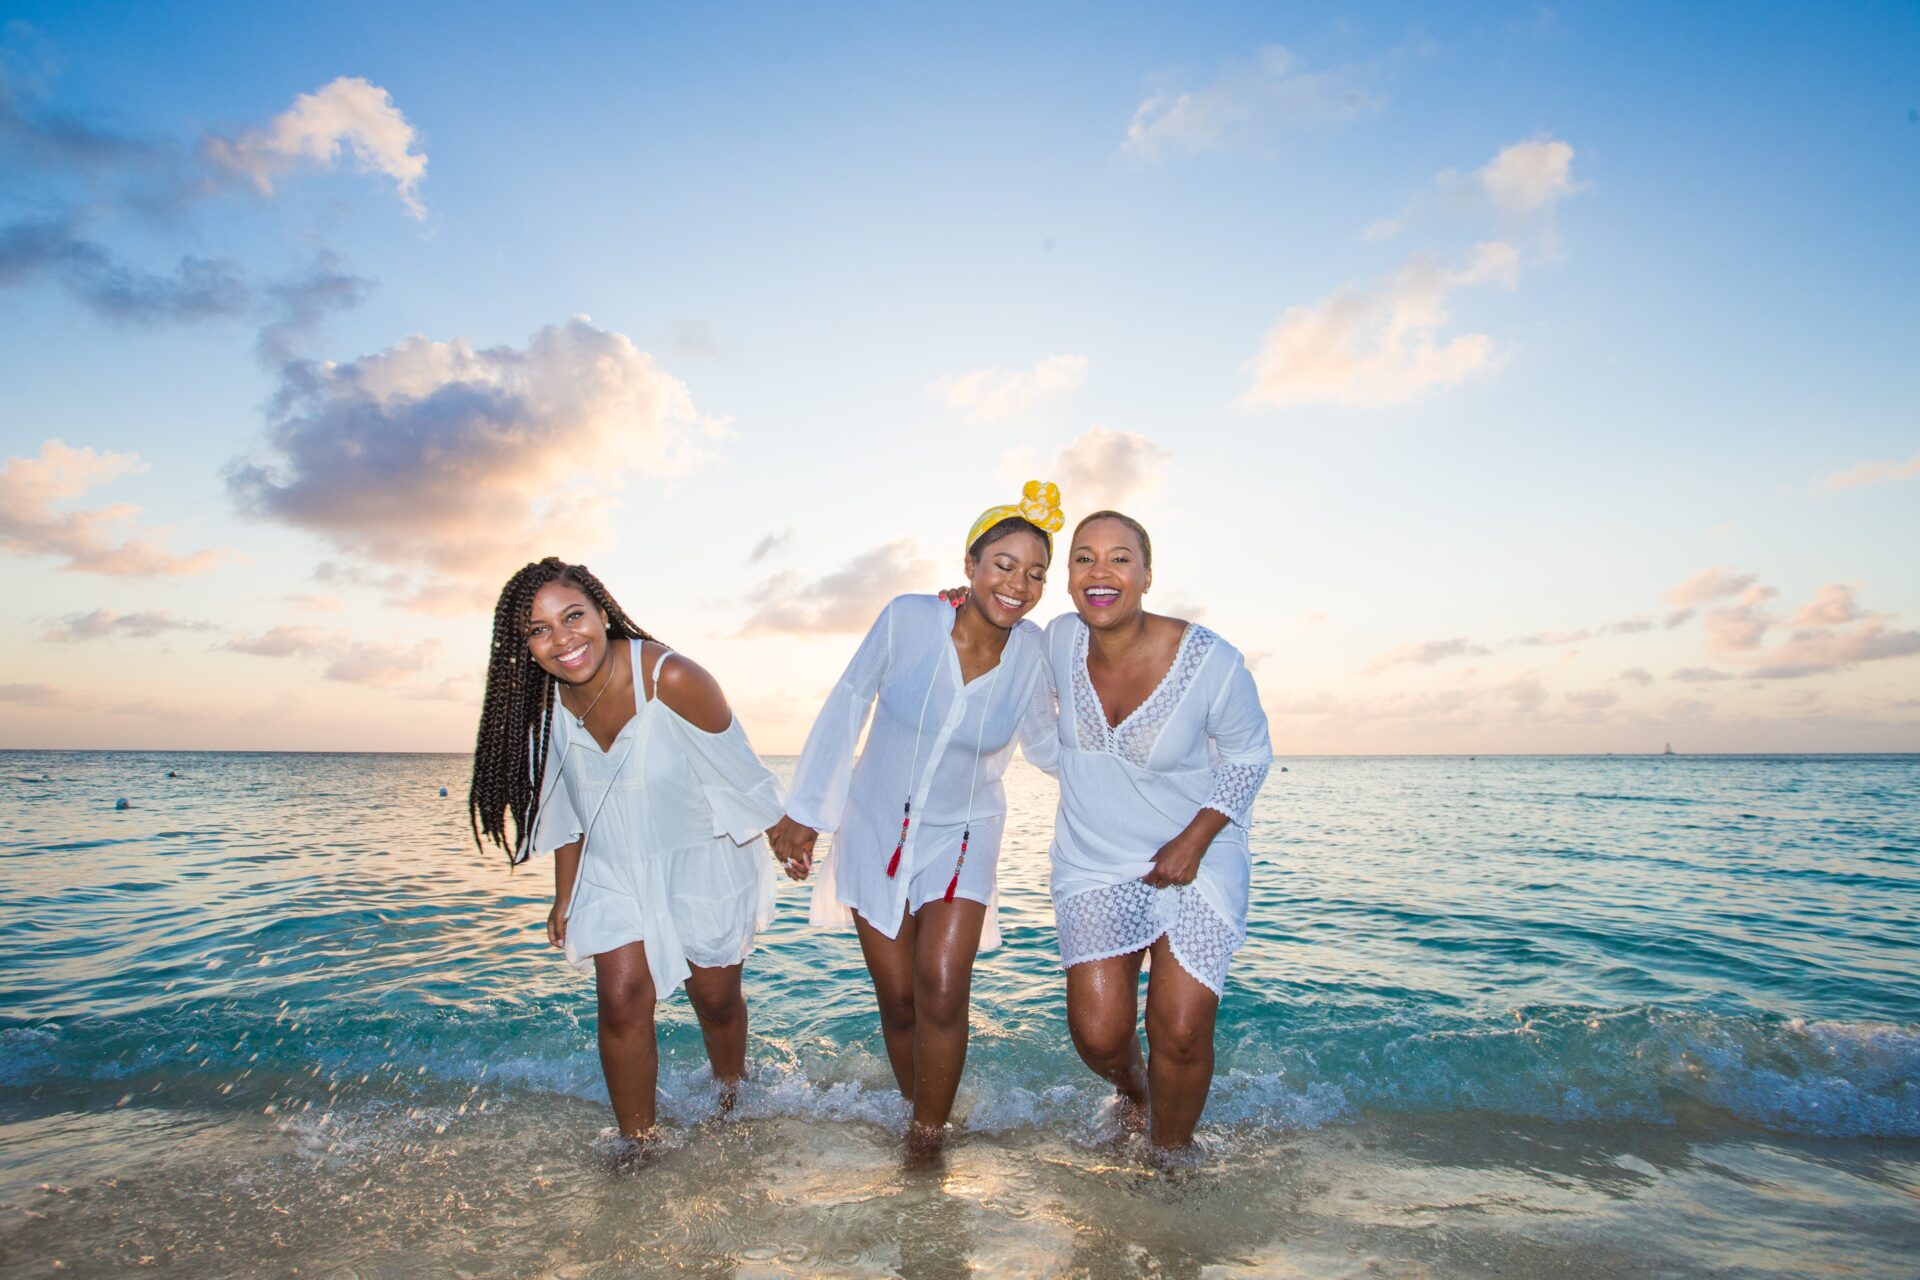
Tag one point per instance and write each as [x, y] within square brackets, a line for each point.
[1242, 750]
[742, 793]
[1039, 729]
[825, 772]
[556, 823]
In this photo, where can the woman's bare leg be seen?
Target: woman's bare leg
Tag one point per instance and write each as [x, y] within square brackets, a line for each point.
[1180, 1018]
[629, 1056]
[946, 939]
[1103, 1016]
[890, 961]
[721, 1006]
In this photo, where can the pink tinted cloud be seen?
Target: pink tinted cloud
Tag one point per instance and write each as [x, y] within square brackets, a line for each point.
[1832, 605]
[1739, 627]
[455, 459]
[1425, 654]
[1874, 473]
[86, 540]
[1384, 346]
[1709, 585]
[1816, 651]
[842, 602]
[105, 622]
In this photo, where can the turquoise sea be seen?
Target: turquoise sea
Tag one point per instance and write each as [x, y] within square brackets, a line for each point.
[1502, 1016]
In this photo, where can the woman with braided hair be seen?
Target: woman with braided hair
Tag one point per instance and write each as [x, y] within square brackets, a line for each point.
[623, 760]
[918, 819]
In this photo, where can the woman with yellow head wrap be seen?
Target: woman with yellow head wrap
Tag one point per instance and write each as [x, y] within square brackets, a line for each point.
[918, 818]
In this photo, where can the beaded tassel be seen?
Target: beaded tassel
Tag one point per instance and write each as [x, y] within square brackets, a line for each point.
[954, 883]
[893, 864]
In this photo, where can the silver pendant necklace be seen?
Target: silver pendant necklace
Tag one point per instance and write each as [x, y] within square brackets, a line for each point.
[581, 719]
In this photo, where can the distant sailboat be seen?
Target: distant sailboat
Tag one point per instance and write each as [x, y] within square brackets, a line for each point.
[1669, 751]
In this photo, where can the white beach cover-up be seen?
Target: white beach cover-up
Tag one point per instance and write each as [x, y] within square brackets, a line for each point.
[674, 855]
[1199, 741]
[950, 742]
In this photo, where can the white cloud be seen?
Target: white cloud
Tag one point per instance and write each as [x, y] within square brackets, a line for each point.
[352, 661]
[283, 642]
[1386, 346]
[845, 601]
[382, 665]
[1707, 585]
[1831, 605]
[458, 460]
[37, 695]
[1529, 177]
[1818, 651]
[992, 395]
[1874, 473]
[1741, 626]
[1521, 187]
[30, 526]
[1269, 95]
[769, 545]
[1104, 468]
[105, 622]
[349, 116]
[1425, 654]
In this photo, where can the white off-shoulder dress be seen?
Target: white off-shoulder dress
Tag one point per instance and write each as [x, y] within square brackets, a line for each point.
[674, 855]
[1199, 741]
[943, 741]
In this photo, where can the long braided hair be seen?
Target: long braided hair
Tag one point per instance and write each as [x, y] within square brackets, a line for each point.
[510, 750]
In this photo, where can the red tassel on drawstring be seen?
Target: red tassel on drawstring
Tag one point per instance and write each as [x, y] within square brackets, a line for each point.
[906, 820]
[959, 862]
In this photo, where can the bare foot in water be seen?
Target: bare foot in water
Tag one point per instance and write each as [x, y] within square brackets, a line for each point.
[926, 1143]
[635, 1151]
[1131, 1116]
[728, 1096]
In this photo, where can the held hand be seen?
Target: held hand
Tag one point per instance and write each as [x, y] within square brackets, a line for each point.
[956, 596]
[557, 924]
[1178, 861]
[792, 844]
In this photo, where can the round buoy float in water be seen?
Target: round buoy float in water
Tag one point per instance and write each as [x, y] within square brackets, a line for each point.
[443, 791]
[123, 803]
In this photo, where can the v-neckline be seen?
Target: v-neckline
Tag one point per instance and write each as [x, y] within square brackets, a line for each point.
[640, 702]
[953, 656]
[1113, 730]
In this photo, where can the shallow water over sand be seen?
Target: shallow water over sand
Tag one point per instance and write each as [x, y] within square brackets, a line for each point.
[1496, 1017]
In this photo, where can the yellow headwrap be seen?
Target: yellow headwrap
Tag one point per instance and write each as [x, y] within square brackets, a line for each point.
[1039, 505]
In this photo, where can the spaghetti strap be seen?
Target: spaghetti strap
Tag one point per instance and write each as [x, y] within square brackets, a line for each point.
[660, 662]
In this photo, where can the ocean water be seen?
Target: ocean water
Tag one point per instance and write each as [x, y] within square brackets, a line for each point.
[1497, 1016]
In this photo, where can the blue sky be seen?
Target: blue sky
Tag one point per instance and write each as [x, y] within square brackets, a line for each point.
[1450, 357]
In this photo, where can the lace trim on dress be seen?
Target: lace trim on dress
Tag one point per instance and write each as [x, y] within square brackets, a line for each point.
[1124, 918]
[1134, 738]
[1235, 787]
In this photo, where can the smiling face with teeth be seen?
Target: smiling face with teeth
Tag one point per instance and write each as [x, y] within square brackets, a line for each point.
[566, 633]
[1007, 578]
[1108, 572]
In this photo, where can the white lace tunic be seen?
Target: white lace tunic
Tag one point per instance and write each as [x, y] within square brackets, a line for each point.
[1199, 741]
[674, 855]
[947, 741]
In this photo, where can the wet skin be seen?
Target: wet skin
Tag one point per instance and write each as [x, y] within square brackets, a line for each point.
[1129, 652]
[923, 976]
[567, 637]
